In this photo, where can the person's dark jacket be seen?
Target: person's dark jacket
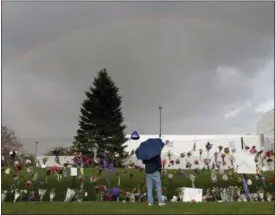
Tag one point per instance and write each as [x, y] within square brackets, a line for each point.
[153, 164]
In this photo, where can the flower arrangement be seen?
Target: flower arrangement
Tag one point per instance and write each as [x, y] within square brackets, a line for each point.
[41, 193]
[182, 155]
[200, 151]
[52, 194]
[4, 195]
[188, 165]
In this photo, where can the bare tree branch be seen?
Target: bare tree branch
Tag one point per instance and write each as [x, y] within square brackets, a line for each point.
[9, 140]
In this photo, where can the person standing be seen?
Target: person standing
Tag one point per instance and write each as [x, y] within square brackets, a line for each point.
[153, 178]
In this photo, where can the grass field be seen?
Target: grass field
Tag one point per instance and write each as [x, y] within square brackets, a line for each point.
[136, 208]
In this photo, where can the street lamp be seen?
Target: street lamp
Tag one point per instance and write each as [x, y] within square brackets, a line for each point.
[160, 109]
[36, 147]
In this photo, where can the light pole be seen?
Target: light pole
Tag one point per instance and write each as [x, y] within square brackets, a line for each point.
[36, 147]
[160, 109]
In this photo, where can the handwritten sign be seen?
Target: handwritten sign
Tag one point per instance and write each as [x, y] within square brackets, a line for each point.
[192, 194]
[245, 164]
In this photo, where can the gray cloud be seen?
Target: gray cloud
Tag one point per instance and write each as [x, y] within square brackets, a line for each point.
[199, 60]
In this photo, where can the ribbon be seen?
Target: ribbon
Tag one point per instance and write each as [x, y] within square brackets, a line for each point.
[245, 187]
[111, 167]
[106, 173]
[106, 167]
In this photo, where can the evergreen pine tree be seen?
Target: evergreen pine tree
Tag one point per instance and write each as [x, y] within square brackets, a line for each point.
[101, 120]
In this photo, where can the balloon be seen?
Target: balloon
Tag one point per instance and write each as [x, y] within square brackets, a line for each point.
[135, 136]
[116, 192]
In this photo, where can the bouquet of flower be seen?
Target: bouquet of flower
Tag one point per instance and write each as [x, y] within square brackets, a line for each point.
[188, 165]
[4, 195]
[100, 192]
[80, 194]
[214, 177]
[17, 194]
[182, 155]
[225, 177]
[226, 150]
[192, 178]
[207, 162]
[201, 151]
[8, 171]
[170, 176]
[216, 156]
[23, 194]
[172, 162]
[268, 196]
[194, 147]
[52, 194]
[164, 172]
[44, 160]
[31, 196]
[28, 162]
[69, 195]
[208, 147]
[41, 193]
[169, 154]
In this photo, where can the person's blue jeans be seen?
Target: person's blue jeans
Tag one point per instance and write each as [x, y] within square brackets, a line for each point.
[153, 179]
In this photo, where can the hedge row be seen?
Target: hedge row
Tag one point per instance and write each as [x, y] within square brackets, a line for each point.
[129, 179]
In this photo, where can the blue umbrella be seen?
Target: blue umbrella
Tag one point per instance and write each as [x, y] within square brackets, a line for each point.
[149, 149]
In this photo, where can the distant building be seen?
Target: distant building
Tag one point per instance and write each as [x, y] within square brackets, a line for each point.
[265, 128]
[266, 124]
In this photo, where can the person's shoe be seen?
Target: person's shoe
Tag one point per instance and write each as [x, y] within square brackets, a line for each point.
[162, 204]
[149, 204]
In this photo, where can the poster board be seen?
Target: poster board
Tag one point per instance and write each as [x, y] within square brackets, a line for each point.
[192, 194]
[73, 171]
[245, 164]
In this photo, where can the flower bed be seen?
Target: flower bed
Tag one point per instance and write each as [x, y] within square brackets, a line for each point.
[129, 181]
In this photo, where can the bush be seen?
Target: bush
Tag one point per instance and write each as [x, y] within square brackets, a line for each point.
[129, 179]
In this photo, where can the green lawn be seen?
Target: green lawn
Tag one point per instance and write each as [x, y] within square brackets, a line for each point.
[136, 208]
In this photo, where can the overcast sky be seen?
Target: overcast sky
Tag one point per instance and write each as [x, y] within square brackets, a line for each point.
[210, 65]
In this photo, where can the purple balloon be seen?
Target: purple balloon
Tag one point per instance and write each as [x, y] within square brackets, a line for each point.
[116, 192]
[135, 136]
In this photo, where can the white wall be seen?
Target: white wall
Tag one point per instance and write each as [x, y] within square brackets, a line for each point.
[184, 143]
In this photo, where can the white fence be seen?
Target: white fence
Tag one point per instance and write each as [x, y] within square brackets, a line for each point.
[240, 159]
